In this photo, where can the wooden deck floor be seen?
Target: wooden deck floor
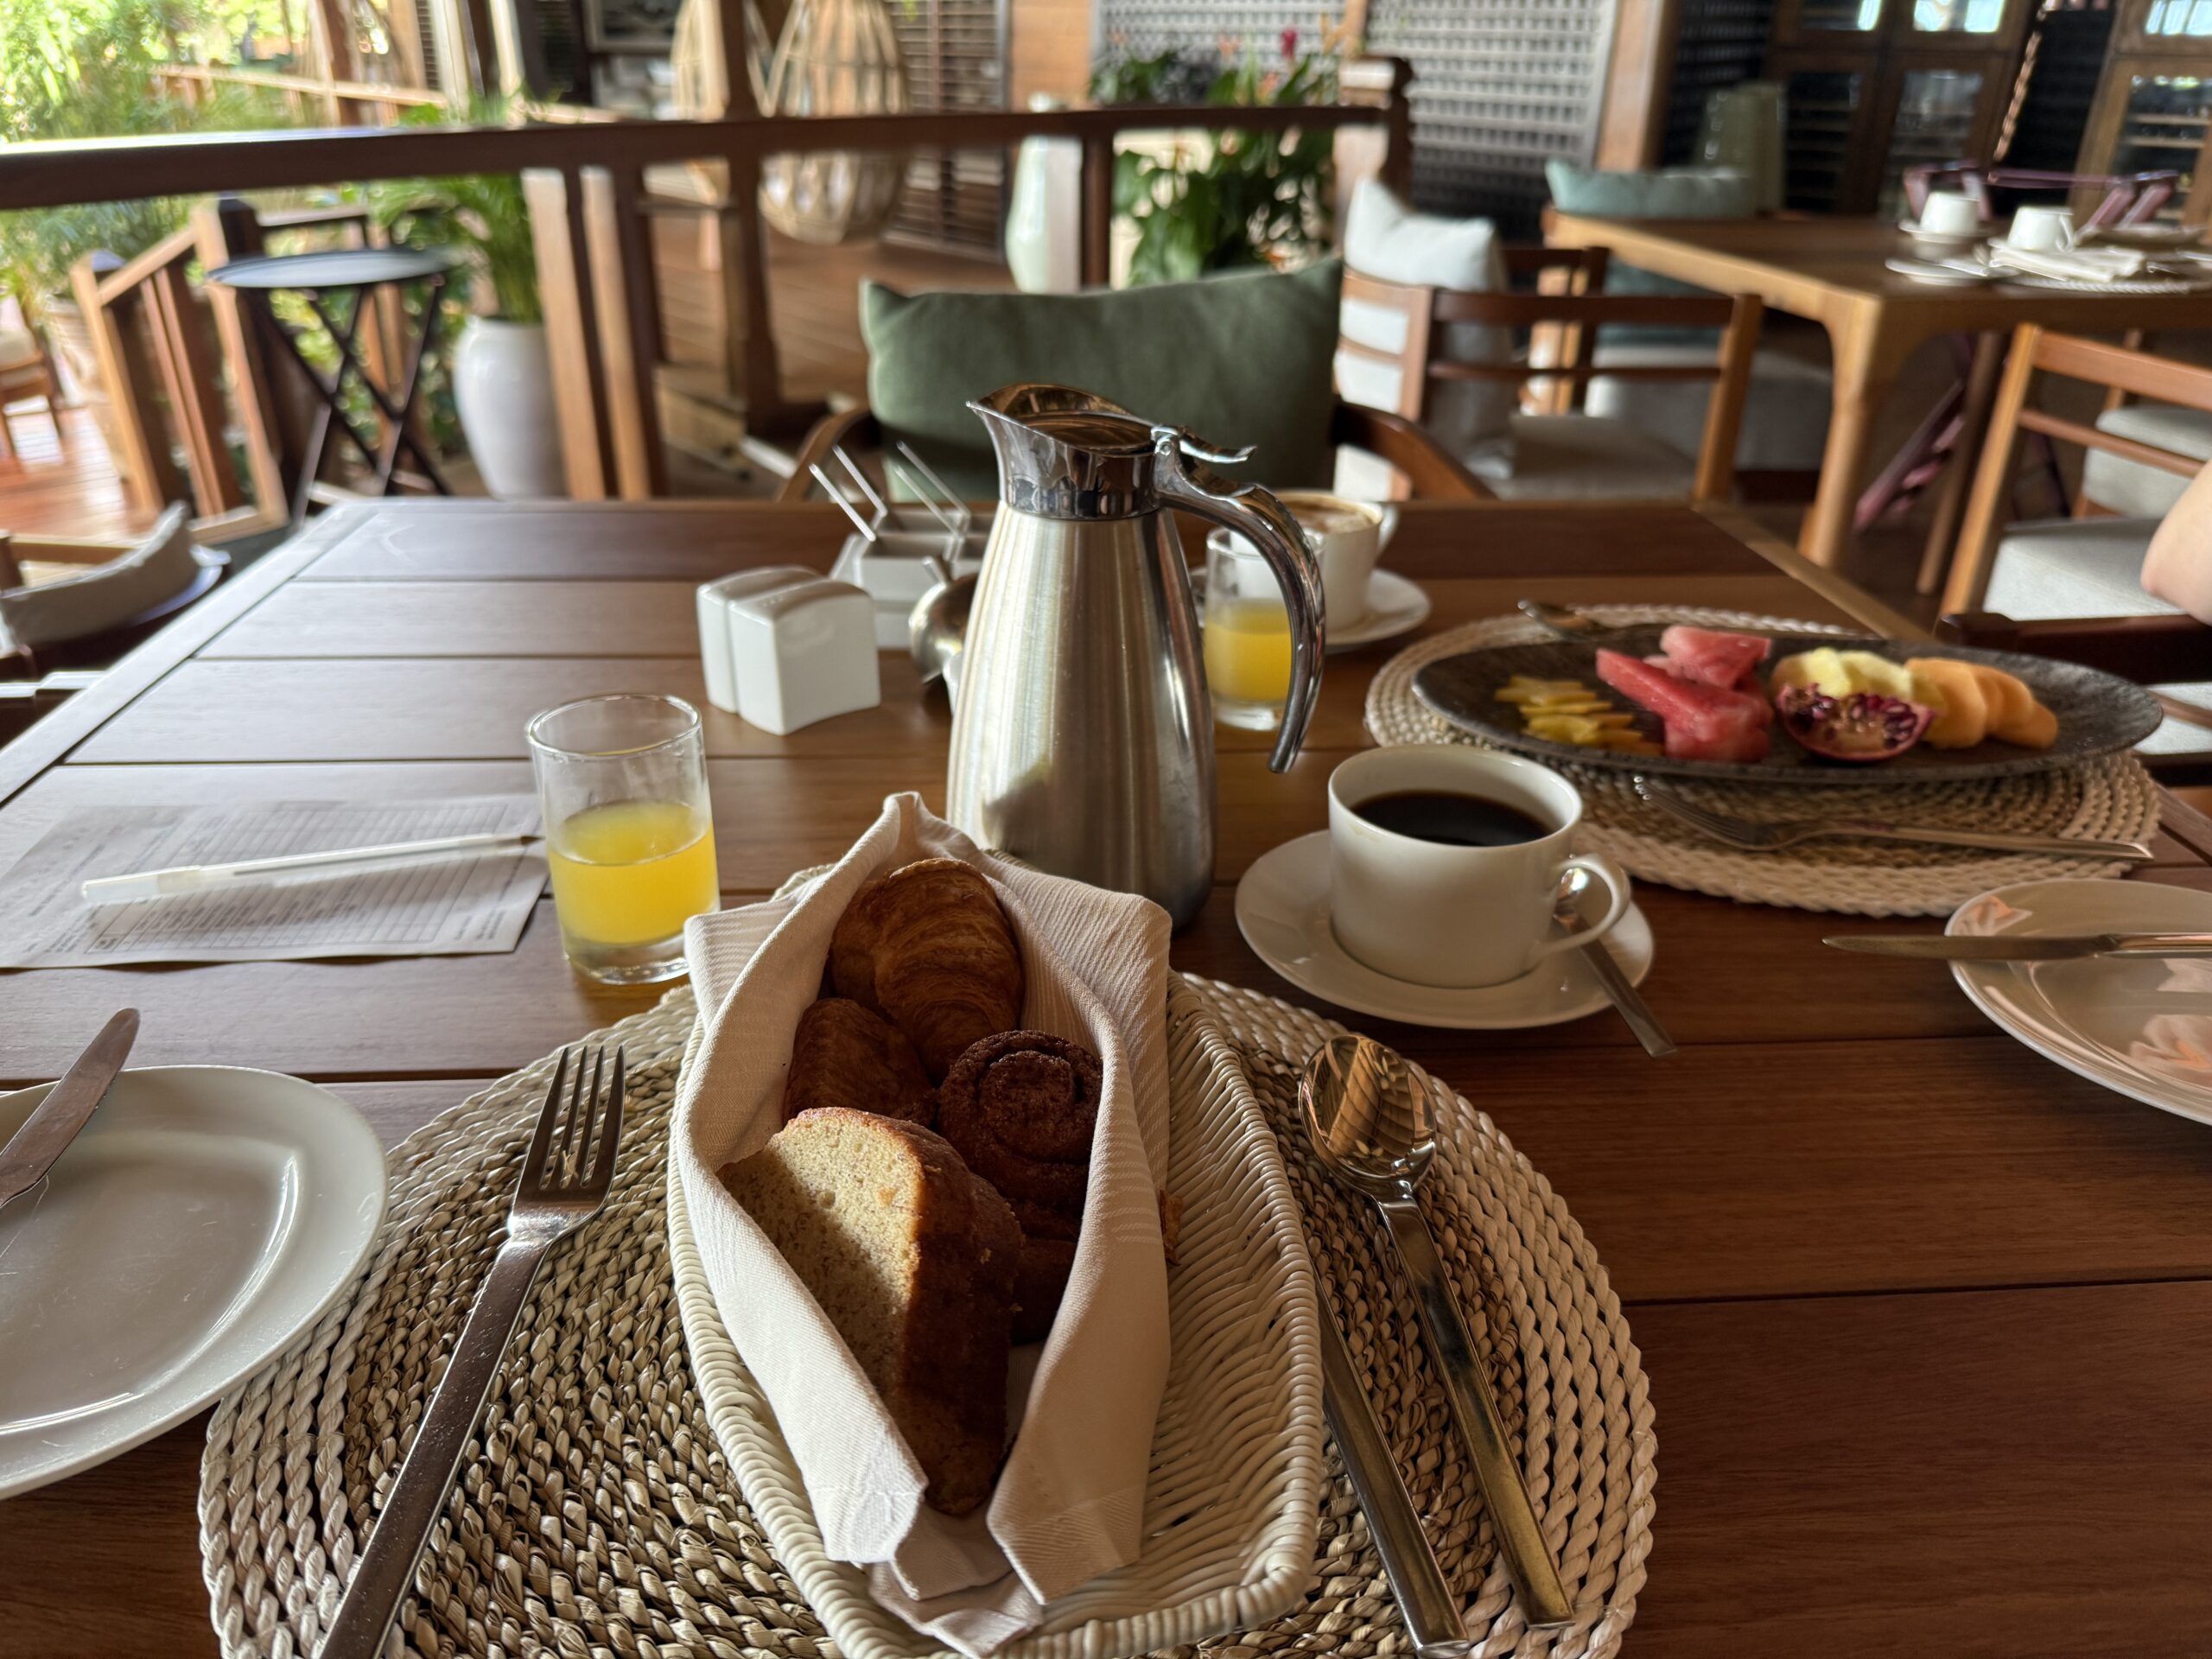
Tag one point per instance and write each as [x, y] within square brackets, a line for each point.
[50, 487]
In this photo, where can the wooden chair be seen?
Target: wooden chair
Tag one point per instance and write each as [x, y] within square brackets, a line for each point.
[1430, 473]
[2093, 552]
[27, 372]
[1572, 453]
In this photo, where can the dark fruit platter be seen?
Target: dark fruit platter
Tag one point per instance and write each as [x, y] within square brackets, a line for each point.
[2097, 712]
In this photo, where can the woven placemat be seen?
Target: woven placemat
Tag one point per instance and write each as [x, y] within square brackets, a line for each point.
[2111, 798]
[596, 1513]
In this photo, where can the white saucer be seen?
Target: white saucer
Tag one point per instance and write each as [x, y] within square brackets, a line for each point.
[1922, 271]
[1395, 606]
[2141, 1026]
[1941, 241]
[1282, 910]
[205, 1216]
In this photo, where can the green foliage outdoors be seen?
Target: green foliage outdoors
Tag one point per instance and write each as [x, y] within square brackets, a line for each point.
[82, 69]
[481, 215]
[1261, 197]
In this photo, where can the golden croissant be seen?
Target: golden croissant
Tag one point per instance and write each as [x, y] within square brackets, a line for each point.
[929, 949]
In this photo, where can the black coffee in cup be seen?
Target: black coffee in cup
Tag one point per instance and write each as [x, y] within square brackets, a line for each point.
[1452, 818]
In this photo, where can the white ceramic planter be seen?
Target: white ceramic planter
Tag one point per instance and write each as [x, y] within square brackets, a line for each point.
[503, 386]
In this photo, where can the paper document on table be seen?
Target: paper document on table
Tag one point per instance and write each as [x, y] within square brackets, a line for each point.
[448, 907]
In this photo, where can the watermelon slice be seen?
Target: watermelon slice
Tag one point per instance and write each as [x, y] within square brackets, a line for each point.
[1712, 658]
[1703, 723]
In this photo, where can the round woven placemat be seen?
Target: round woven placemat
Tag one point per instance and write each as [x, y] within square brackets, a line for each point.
[2110, 799]
[596, 1513]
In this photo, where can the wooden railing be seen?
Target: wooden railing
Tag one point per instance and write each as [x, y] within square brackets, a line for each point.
[585, 184]
[342, 102]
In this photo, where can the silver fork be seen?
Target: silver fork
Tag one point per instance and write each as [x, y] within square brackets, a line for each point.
[1751, 836]
[564, 1178]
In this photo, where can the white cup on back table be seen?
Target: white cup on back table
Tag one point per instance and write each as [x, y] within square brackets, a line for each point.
[2041, 230]
[1449, 913]
[1949, 212]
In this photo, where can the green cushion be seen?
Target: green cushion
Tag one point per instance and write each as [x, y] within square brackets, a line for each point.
[1662, 193]
[1242, 358]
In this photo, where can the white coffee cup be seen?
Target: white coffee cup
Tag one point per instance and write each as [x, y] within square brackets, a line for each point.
[1949, 212]
[2041, 230]
[1436, 913]
[1347, 537]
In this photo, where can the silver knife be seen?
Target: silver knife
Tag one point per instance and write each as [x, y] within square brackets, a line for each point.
[2019, 947]
[1431, 1610]
[53, 1123]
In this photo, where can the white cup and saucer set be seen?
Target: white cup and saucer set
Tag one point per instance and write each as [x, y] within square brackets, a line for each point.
[1364, 605]
[1429, 898]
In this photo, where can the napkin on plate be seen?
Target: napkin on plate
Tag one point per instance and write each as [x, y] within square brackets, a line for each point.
[2070, 265]
[1069, 1502]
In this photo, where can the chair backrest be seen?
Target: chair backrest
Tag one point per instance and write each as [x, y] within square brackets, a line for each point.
[1577, 317]
[2116, 368]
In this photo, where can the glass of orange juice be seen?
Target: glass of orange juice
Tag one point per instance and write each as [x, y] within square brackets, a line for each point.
[622, 785]
[1247, 644]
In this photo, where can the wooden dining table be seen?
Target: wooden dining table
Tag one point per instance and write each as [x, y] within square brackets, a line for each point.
[1927, 1319]
[1834, 272]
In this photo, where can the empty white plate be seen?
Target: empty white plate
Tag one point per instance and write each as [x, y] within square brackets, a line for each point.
[1282, 910]
[204, 1217]
[2141, 1026]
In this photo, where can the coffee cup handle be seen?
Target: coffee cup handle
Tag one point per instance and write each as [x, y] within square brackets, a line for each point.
[1389, 526]
[1615, 880]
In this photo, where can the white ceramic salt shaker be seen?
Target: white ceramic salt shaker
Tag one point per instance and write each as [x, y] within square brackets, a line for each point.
[802, 650]
[714, 602]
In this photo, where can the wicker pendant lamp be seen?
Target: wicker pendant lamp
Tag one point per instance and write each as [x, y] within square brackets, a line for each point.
[836, 57]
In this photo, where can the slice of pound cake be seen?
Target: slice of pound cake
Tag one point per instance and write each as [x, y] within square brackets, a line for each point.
[912, 1259]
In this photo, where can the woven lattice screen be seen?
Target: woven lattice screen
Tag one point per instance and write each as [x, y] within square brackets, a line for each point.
[1498, 85]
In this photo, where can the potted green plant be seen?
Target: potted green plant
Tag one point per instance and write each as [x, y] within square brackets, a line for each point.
[1226, 198]
[502, 372]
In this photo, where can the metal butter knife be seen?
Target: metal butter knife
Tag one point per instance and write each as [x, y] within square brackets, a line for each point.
[2017, 947]
[54, 1122]
[1432, 1612]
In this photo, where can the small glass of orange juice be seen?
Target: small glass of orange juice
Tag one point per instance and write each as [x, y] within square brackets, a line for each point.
[1246, 643]
[629, 834]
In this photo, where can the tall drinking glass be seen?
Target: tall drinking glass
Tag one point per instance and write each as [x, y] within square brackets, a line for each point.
[622, 784]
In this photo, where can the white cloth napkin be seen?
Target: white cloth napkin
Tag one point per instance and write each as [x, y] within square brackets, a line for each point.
[2070, 265]
[1069, 1503]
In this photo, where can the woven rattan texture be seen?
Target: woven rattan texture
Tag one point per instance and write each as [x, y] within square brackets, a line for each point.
[2112, 798]
[595, 1511]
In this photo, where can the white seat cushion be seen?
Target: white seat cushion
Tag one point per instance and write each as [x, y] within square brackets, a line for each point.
[2130, 488]
[1387, 241]
[2074, 567]
[1584, 458]
[1785, 427]
[17, 349]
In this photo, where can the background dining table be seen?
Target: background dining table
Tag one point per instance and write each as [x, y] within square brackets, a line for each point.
[1835, 272]
[1927, 1319]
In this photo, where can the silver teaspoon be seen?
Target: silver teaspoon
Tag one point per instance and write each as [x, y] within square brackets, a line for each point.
[1564, 620]
[1373, 1129]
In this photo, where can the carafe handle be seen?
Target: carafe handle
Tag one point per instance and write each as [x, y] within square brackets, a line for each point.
[1183, 478]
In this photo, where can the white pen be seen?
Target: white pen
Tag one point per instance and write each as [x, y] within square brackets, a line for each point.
[344, 861]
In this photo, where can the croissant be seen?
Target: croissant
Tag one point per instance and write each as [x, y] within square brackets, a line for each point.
[845, 1055]
[929, 949]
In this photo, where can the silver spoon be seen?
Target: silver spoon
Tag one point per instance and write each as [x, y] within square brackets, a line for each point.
[1564, 620]
[1634, 1011]
[1373, 1129]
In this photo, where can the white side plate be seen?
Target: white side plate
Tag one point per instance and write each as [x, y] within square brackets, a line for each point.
[205, 1216]
[2141, 1026]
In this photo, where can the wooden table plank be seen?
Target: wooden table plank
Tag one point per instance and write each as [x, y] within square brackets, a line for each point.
[2009, 1476]
[570, 620]
[693, 542]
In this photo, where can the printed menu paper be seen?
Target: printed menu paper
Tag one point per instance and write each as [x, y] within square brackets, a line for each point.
[450, 907]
